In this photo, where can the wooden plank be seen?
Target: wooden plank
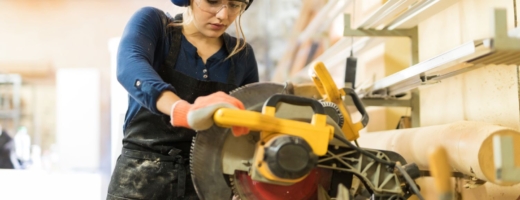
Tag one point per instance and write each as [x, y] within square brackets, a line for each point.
[285, 62]
[490, 94]
[302, 54]
[470, 145]
[440, 33]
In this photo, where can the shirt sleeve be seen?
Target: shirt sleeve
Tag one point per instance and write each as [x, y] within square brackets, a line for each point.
[135, 58]
[251, 75]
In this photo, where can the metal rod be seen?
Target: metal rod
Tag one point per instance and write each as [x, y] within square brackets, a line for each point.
[381, 102]
[514, 10]
[416, 108]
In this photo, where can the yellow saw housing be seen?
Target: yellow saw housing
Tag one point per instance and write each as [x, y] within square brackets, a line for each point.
[317, 134]
[308, 140]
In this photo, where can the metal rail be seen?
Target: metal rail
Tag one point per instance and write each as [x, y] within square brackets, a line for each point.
[503, 49]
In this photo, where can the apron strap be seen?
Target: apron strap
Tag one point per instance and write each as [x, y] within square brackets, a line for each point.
[175, 46]
[231, 74]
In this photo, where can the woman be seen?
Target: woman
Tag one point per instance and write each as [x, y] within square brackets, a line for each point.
[177, 73]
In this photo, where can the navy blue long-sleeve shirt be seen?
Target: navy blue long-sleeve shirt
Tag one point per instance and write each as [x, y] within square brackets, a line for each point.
[143, 49]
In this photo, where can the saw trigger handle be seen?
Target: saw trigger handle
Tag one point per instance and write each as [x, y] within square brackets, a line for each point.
[318, 118]
[359, 105]
[325, 84]
[330, 92]
[295, 100]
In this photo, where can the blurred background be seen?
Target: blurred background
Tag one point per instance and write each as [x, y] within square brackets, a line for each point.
[62, 109]
[60, 104]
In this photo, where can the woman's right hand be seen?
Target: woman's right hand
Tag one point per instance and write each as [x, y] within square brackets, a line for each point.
[199, 115]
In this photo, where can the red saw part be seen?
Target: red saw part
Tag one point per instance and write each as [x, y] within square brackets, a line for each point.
[307, 189]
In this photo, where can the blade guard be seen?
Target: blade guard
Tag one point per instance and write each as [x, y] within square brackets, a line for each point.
[330, 92]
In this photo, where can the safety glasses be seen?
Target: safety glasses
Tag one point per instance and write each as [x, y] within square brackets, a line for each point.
[234, 7]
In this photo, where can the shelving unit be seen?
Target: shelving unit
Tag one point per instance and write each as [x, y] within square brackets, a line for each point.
[404, 14]
[504, 48]
[336, 54]
[323, 19]
[468, 97]
[10, 85]
[395, 18]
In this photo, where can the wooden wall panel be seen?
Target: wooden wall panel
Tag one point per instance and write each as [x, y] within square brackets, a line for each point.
[397, 54]
[377, 122]
[491, 94]
[476, 17]
[440, 33]
[487, 94]
[370, 65]
[443, 102]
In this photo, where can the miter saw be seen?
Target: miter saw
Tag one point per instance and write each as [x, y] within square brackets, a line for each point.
[299, 147]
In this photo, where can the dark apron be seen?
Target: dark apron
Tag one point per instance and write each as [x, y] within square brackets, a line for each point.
[154, 161]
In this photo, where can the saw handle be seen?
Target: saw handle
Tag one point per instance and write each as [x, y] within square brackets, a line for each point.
[295, 100]
[317, 133]
[325, 84]
[359, 105]
[330, 92]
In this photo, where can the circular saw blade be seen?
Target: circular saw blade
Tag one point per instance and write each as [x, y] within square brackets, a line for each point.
[247, 189]
[206, 153]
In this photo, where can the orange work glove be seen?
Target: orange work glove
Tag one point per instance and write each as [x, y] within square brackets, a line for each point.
[199, 115]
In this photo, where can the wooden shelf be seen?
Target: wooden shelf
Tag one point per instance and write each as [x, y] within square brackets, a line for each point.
[404, 14]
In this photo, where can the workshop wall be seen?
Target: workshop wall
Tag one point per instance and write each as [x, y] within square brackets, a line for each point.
[489, 94]
[391, 55]
[38, 37]
[75, 34]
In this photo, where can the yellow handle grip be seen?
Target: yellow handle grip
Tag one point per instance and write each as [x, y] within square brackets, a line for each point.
[441, 172]
[317, 134]
[329, 92]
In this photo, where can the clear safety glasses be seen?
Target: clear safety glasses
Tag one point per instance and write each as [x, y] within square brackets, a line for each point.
[234, 7]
